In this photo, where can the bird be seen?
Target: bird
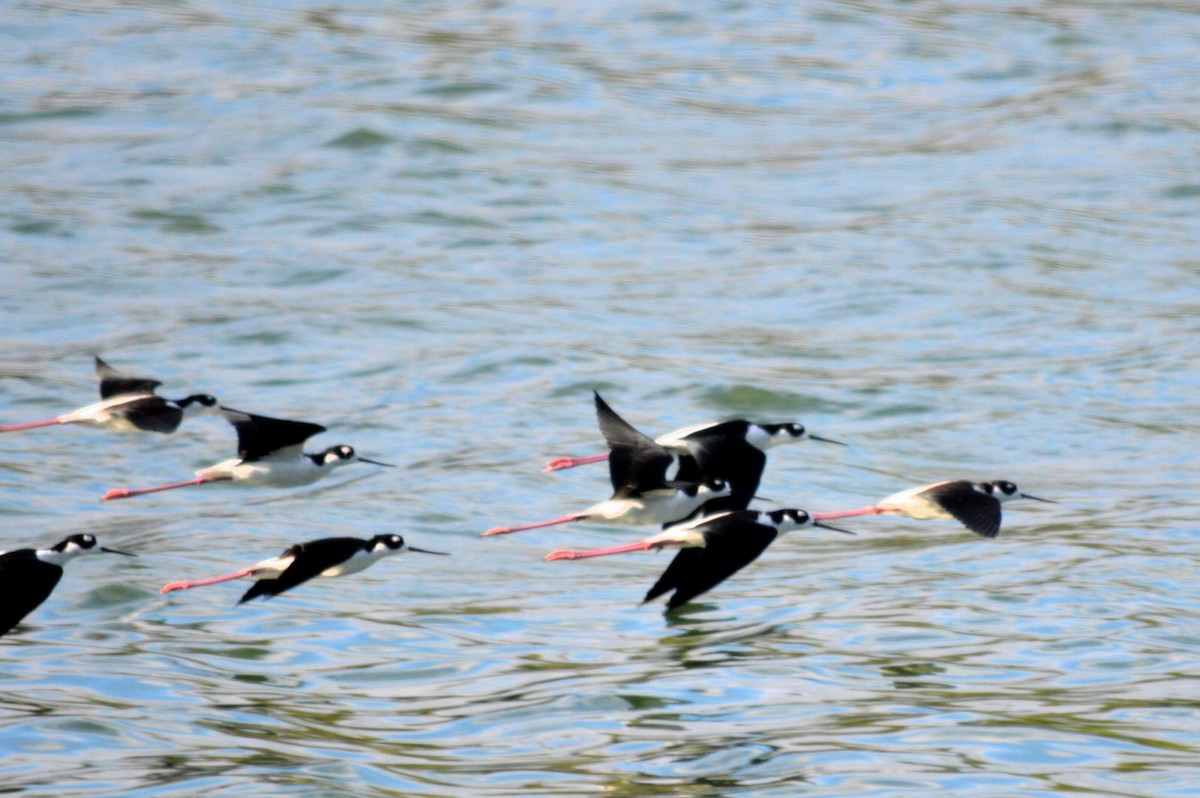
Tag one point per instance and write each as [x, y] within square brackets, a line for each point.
[270, 454]
[713, 549]
[975, 505]
[29, 576]
[734, 432]
[128, 404]
[733, 451]
[637, 469]
[303, 561]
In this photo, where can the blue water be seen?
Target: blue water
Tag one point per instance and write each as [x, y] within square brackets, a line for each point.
[960, 236]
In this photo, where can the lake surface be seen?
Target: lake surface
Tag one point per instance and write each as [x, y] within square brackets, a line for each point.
[961, 236]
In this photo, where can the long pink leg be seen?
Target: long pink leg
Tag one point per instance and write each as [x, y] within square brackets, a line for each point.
[125, 493]
[184, 585]
[559, 463]
[872, 510]
[50, 422]
[566, 554]
[504, 530]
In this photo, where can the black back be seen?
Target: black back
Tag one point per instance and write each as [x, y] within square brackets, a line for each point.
[722, 452]
[114, 383]
[25, 582]
[977, 511]
[260, 436]
[311, 559]
[731, 543]
[153, 414]
[636, 463]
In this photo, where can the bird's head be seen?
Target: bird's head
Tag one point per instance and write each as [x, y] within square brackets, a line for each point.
[791, 518]
[1004, 490]
[342, 454]
[394, 544]
[198, 404]
[75, 545]
[775, 434]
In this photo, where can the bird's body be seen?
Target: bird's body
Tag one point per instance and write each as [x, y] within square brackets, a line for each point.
[327, 557]
[976, 505]
[713, 548]
[270, 454]
[642, 494]
[129, 404]
[29, 576]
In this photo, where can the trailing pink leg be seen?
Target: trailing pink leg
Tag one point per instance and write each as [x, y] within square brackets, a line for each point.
[125, 493]
[172, 586]
[872, 510]
[566, 554]
[504, 530]
[50, 422]
[559, 463]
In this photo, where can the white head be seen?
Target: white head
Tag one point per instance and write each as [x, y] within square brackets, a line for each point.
[1004, 490]
[764, 436]
[200, 404]
[70, 548]
[384, 545]
[790, 518]
[341, 455]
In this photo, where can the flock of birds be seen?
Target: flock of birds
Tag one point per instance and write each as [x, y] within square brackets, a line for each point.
[697, 483]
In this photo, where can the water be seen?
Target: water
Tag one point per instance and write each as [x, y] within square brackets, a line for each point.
[960, 235]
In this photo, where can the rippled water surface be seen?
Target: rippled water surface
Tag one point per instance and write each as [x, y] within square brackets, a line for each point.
[961, 236]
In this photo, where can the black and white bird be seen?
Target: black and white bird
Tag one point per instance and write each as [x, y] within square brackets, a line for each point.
[129, 403]
[642, 494]
[713, 549]
[975, 505]
[270, 454]
[317, 558]
[29, 576]
[732, 451]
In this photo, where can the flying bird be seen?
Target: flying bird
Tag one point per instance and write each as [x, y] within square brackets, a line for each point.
[29, 576]
[270, 454]
[637, 468]
[975, 505]
[713, 549]
[326, 557]
[129, 403]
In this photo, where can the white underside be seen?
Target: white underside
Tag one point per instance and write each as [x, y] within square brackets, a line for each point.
[912, 503]
[650, 509]
[266, 472]
[100, 413]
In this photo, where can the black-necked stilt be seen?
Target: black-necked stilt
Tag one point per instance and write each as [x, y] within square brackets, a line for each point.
[641, 492]
[737, 432]
[129, 403]
[303, 561]
[270, 454]
[732, 451]
[713, 549]
[975, 505]
[29, 576]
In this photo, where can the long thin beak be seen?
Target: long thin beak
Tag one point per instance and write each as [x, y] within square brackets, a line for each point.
[834, 528]
[427, 551]
[825, 440]
[114, 551]
[376, 462]
[1038, 499]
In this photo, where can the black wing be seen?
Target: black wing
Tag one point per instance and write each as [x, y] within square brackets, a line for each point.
[636, 463]
[114, 383]
[722, 453]
[260, 436]
[153, 414]
[25, 582]
[974, 509]
[731, 543]
[311, 559]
